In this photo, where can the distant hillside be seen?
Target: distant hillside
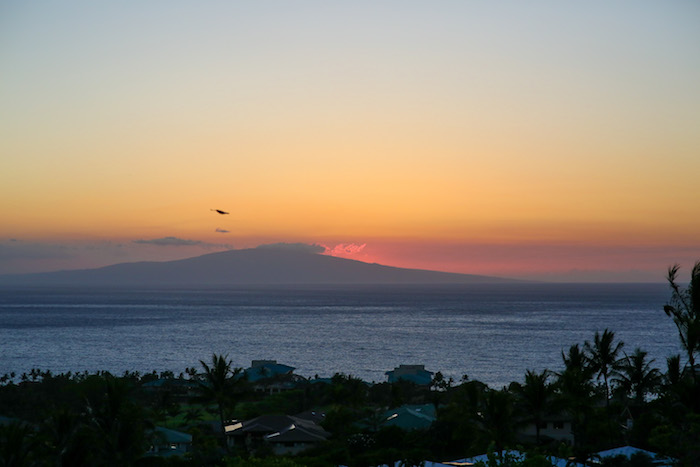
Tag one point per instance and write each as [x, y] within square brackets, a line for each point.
[258, 266]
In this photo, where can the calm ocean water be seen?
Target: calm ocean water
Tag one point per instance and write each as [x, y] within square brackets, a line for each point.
[493, 333]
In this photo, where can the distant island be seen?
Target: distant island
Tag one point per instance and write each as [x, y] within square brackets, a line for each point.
[267, 266]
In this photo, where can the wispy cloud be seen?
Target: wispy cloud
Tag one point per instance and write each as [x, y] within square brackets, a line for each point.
[344, 249]
[169, 241]
[222, 231]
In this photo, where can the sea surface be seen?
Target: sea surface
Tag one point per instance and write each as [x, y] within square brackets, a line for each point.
[492, 333]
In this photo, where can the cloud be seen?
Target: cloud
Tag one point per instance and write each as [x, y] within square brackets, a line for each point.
[300, 247]
[344, 249]
[169, 241]
[222, 231]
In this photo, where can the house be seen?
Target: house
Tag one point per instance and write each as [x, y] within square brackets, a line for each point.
[272, 377]
[312, 415]
[166, 442]
[264, 369]
[414, 373]
[410, 417]
[284, 434]
[557, 427]
[181, 388]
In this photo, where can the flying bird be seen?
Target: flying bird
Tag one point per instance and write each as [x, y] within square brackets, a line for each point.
[219, 211]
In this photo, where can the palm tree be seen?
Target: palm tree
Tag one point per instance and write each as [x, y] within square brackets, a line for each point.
[636, 377]
[535, 398]
[219, 384]
[574, 382]
[678, 386]
[462, 412]
[497, 418]
[117, 423]
[575, 389]
[603, 357]
[684, 309]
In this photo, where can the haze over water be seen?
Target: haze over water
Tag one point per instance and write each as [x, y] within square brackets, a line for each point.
[491, 332]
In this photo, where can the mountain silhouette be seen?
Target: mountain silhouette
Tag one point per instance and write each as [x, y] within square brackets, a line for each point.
[257, 266]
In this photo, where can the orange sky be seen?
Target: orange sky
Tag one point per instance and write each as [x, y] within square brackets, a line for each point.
[540, 140]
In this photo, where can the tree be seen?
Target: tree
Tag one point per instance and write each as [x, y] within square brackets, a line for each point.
[438, 388]
[603, 357]
[460, 417]
[535, 398]
[497, 418]
[18, 445]
[684, 309]
[219, 385]
[677, 385]
[117, 424]
[636, 377]
[67, 439]
[576, 391]
[574, 383]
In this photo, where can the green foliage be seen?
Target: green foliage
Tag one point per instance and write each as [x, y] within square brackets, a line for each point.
[497, 418]
[636, 378]
[684, 309]
[219, 385]
[680, 439]
[286, 402]
[535, 399]
[18, 445]
[603, 357]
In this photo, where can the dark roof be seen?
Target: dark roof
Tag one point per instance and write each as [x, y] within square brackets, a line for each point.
[298, 434]
[312, 415]
[279, 428]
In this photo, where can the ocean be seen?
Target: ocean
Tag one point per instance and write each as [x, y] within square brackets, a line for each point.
[490, 332]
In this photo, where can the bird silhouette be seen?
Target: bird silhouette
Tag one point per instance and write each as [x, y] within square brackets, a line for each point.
[219, 211]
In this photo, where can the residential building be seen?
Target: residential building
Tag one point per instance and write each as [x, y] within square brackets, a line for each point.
[284, 434]
[414, 373]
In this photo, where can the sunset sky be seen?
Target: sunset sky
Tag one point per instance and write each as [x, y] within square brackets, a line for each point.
[540, 139]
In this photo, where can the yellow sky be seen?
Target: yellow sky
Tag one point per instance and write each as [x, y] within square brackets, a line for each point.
[403, 123]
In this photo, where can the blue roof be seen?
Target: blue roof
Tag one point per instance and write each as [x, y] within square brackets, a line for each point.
[267, 370]
[321, 380]
[415, 373]
[519, 456]
[173, 436]
[629, 451]
[423, 378]
[410, 417]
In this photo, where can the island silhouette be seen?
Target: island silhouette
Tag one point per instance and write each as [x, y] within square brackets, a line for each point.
[256, 266]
